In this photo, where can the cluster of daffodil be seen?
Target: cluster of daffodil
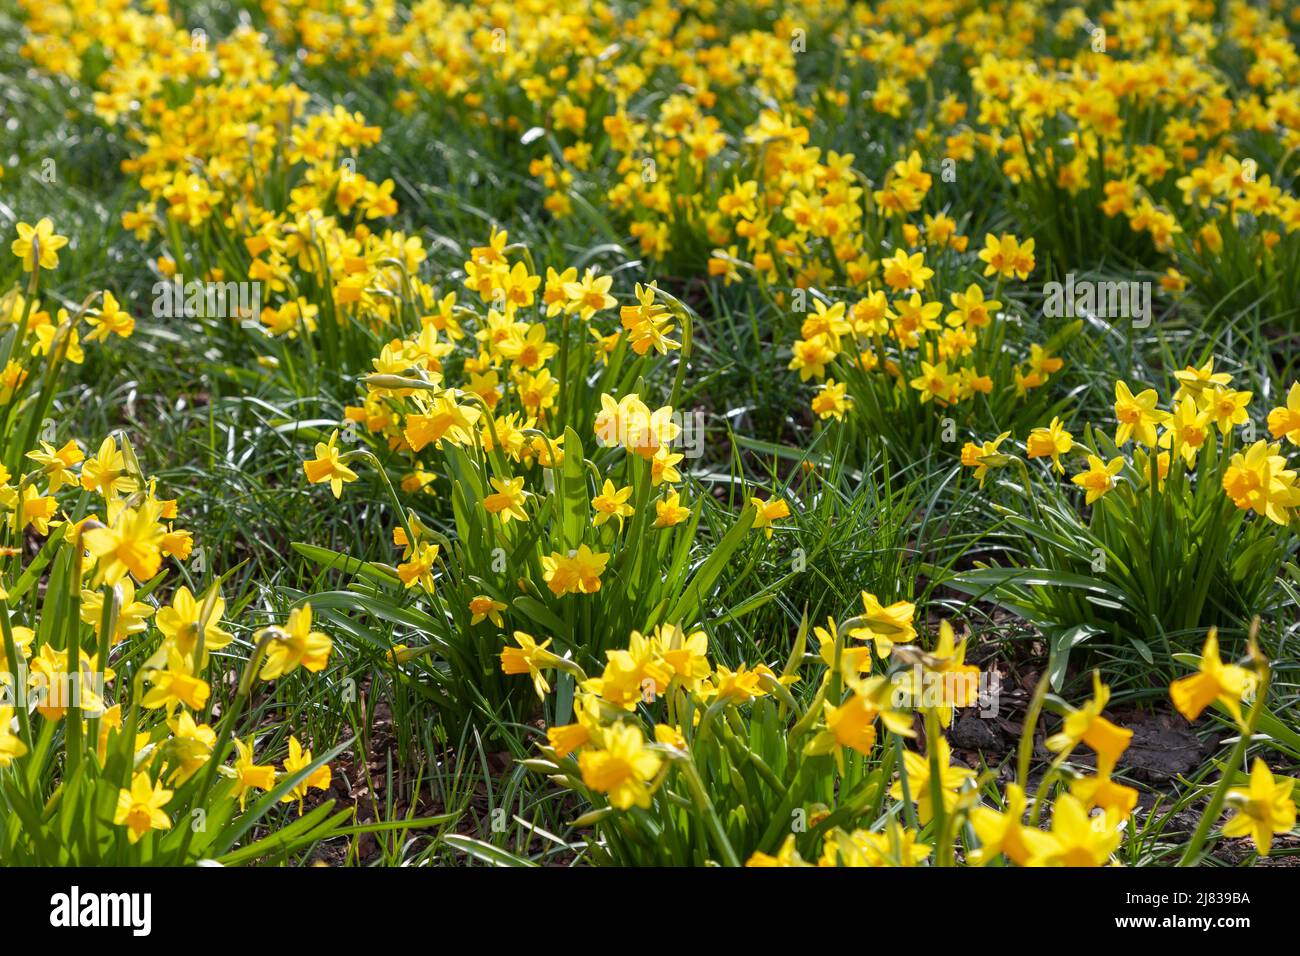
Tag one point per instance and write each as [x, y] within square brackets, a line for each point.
[1165, 120]
[719, 158]
[1190, 515]
[577, 74]
[543, 534]
[758, 195]
[90, 768]
[522, 360]
[911, 371]
[1150, 114]
[1206, 411]
[757, 200]
[687, 761]
[37, 348]
[242, 181]
[1264, 807]
[136, 759]
[765, 201]
[796, 155]
[1137, 116]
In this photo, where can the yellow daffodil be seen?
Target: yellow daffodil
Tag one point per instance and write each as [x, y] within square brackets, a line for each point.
[1050, 442]
[132, 615]
[622, 767]
[139, 808]
[1225, 683]
[182, 621]
[916, 768]
[1078, 839]
[11, 747]
[786, 856]
[768, 512]
[1099, 479]
[529, 658]
[294, 644]
[507, 502]
[1137, 415]
[741, 685]
[38, 245]
[106, 472]
[854, 661]
[885, 626]
[482, 607]
[110, 320]
[1258, 480]
[1194, 382]
[175, 685]
[189, 749]
[328, 466]
[247, 773]
[1263, 809]
[611, 503]
[1087, 725]
[58, 463]
[862, 848]
[300, 759]
[1285, 420]
[1004, 831]
[831, 400]
[984, 456]
[1101, 790]
[577, 572]
[419, 570]
[669, 511]
[850, 725]
[1188, 428]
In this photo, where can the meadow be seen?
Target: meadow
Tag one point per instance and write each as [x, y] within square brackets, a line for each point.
[649, 433]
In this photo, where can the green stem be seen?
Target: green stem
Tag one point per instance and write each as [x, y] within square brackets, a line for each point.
[72, 645]
[15, 671]
[705, 806]
[1025, 751]
[939, 818]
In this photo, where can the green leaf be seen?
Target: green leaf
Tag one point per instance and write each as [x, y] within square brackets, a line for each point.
[571, 488]
[700, 586]
[334, 560]
[1061, 645]
[539, 613]
[485, 852]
